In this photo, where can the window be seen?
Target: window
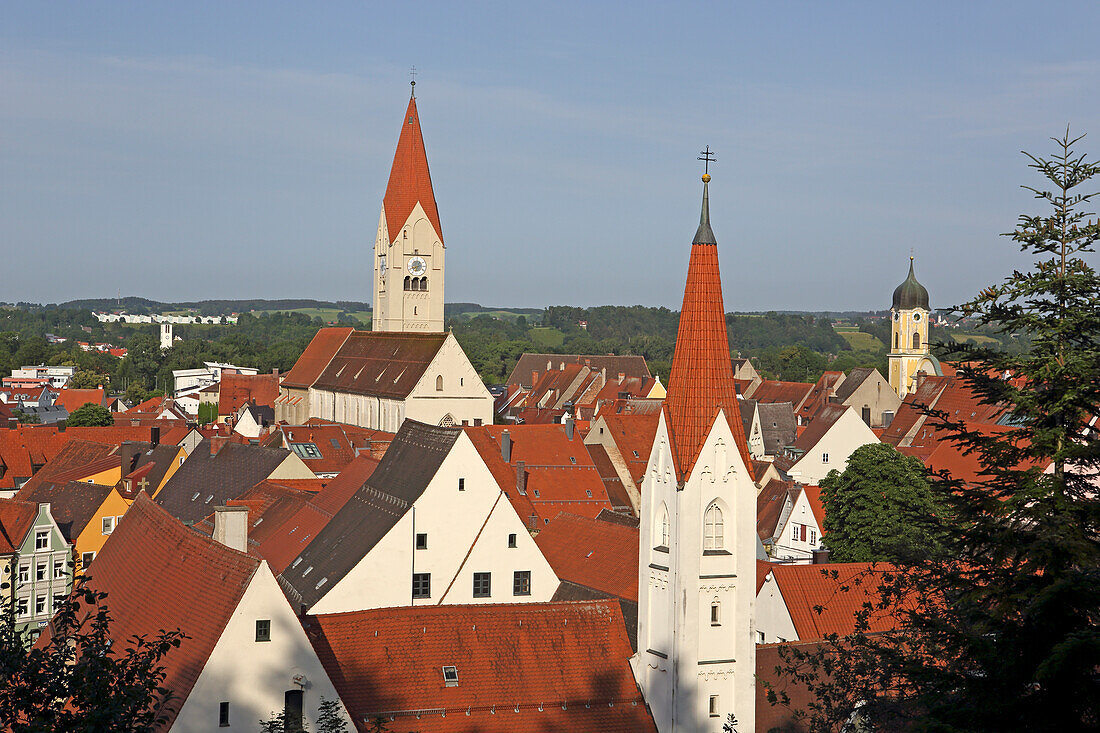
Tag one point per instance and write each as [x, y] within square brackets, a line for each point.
[450, 676]
[263, 629]
[536, 493]
[59, 568]
[573, 459]
[759, 637]
[422, 585]
[916, 340]
[521, 583]
[512, 540]
[422, 541]
[408, 280]
[42, 539]
[24, 573]
[108, 525]
[462, 484]
[716, 614]
[39, 605]
[40, 571]
[439, 383]
[335, 443]
[824, 457]
[21, 607]
[635, 452]
[482, 585]
[306, 450]
[713, 530]
[86, 559]
[223, 715]
[664, 527]
[813, 536]
[794, 532]
[588, 492]
[58, 600]
[714, 706]
[897, 340]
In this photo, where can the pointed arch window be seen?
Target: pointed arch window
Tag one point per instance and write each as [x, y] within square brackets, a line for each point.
[916, 339]
[713, 529]
[663, 531]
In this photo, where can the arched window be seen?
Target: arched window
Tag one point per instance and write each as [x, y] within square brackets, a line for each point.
[662, 526]
[713, 530]
[897, 337]
[439, 383]
[916, 339]
[408, 280]
[424, 283]
[448, 421]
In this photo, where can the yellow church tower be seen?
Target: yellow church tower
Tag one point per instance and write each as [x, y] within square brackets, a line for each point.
[909, 352]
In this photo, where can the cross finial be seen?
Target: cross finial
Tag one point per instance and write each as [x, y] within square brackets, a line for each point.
[412, 80]
[708, 157]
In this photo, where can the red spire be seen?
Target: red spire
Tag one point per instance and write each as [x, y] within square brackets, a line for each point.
[701, 379]
[410, 180]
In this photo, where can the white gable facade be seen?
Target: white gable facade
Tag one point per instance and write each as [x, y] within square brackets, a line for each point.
[798, 534]
[462, 526]
[833, 449]
[257, 677]
[696, 660]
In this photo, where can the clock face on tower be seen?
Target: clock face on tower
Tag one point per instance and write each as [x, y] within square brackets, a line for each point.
[417, 266]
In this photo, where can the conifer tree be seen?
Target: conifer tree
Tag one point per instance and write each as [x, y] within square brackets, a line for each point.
[1003, 634]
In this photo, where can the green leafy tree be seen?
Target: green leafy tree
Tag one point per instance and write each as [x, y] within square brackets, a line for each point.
[1003, 636]
[85, 379]
[881, 508]
[90, 415]
[78, 680]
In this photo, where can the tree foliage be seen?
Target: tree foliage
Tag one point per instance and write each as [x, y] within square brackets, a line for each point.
[881, 508]
[1002, 634]
[90, 415]
[77, 680]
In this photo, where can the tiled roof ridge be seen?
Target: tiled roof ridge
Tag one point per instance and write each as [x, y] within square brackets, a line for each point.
[410, 180]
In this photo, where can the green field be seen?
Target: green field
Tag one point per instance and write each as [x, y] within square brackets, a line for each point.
[546, 336]
[979, 339]
[860, 341]
[325, 314]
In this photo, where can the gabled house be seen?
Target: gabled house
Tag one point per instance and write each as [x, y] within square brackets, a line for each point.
[252, 421]
[491, 669]
[219, 470]
[750, 422]
[775, 391]
[773, 505]
[327, 448]
[396, 540]
[833, 435]
[237, 390]
[74, 399]
[543, 470]
[35, 562]
[377, 379]
[85, 513]
[779, 427]
[798, 534]
[867, 392]
[245, 654]
[622, 443]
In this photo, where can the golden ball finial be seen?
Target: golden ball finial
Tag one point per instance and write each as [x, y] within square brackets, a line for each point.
[706, 178]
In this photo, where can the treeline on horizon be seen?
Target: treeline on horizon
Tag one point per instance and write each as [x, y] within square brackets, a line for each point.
[788, 346]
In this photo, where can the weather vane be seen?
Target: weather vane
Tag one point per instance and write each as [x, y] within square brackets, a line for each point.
[412, 79]
[707, 156]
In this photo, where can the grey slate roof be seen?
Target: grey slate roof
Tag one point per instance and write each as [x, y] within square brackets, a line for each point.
[204, 481]
[851, 383]
[72, 504]
[778, 425]
[409, 464]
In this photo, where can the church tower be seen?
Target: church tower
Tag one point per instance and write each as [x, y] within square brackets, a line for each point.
[408, 250]
[909, 351]
[696, 659]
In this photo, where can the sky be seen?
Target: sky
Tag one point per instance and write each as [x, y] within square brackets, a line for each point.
[183, 151]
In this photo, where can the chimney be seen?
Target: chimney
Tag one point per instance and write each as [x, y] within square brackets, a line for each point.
[521, 478]
[570, 424]
[217, 442]
[506, 446]
[154, 435]
[231, 527]
[820, 557]
[128, 453]
[622, 376]
[275, 371]
[534, 378]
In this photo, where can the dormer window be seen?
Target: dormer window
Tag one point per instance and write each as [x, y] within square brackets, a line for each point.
[450, 676]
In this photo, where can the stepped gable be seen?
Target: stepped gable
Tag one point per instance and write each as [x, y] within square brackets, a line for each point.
[412, 461]
[410, 182]
[380, 363]
[180, 581]
[701, 379]
[519, 667]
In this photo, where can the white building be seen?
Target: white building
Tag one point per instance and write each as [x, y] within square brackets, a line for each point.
[799, 532]
[57, 376]
[826, 443]
[429, 526]
[188, 380]
[696, 660]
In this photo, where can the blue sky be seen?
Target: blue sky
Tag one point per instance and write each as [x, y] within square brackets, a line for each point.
[235, 150]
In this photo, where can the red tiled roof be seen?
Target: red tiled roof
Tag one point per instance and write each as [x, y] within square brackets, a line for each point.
[182, 580]
[521, 667]
[616, 492]
[783, 716]
[633, 433]
[805, 587]
[925, 395]
[813, 498]
[593, 553]
[380, 363]
[76, 459]
[553, 482]
[316, 357]
[241, 389]
[270, 504]
[16, 519]
[410, 182]
[773, 391]
[149, 405]
[769, 507]
[701, 378]
[73, 399]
